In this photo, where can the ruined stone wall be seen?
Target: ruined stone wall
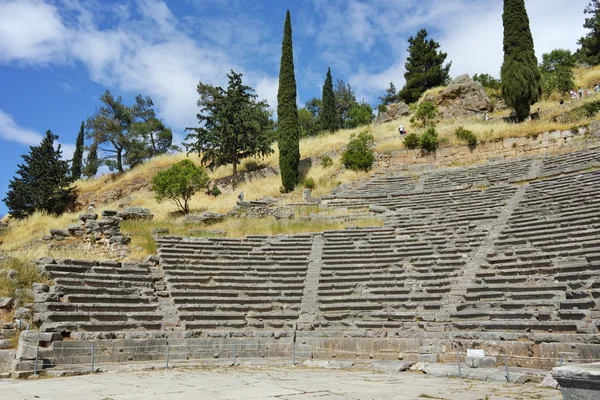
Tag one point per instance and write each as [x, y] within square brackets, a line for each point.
[547, 142]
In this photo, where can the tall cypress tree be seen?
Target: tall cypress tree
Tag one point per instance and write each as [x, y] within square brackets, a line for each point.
[43, 182]
[328, 115]
[77, 163]
[287, 113]
[520, 75]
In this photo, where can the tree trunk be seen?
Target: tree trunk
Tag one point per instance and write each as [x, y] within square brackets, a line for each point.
[235, 161]
[120, 160]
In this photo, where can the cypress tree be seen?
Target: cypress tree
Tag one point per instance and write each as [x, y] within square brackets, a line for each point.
[328, 114]
[521, 80]
[92, 163]
[43, 182]
[77, 163]
[287, 113]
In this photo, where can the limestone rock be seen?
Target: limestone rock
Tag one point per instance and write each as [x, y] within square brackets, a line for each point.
[135, 213]
[40, 288]
[108, 213]
[393, 112]
[88, 216]
[23, 313]
[462, 98]
[59, 232]
[6, 302]
[206, 218]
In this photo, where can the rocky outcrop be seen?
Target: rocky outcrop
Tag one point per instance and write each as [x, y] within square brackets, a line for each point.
[393, 112]
[462, 98]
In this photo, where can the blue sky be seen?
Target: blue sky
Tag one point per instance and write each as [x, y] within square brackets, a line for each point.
[58, 56]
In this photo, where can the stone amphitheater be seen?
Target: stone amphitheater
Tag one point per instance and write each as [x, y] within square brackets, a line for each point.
[503, 257]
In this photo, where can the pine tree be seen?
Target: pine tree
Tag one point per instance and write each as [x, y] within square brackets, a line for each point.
[391, 95]
[424, 67]
[590, 43]
[91, 163]
[43, 182]
[520, 75]
[233, 125]
[328, 117]
[77, 163]
[287, 113]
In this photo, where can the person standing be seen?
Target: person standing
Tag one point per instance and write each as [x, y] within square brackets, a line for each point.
[401, 129]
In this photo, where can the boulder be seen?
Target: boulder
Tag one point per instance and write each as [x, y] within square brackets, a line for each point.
[108, 213]
[23, 313]
[206, 218]
[594, 129]
[6, 302]
[462, 98]
[40, 288]
[393, 112]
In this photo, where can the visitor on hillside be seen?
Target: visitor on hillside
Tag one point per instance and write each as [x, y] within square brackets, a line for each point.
[597, 88]
[487, 117]
[401, 129]
[573, 95]
[561, 102]
[241, 196]
[580, 92]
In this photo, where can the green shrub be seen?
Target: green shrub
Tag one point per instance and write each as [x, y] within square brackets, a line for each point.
[411, 141]
[215, 191]
[381, 108]
[592, 108]
[429, 139]
[358, 154]
[326, 161]
[309, 183]
[179, 183]
[466, 136]
[426, 113]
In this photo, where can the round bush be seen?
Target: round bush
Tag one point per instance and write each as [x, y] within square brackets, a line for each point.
[411, 141]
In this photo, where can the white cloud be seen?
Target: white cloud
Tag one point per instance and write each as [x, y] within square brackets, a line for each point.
[31, 32]
[12, 132]
[266, 89]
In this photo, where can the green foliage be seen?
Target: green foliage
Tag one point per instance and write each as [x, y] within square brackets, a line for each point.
[91, 162]
[521, 80]
[590, 44]
[360, 114]
[77, 162]
[233, 125]
[327, 116]
[43, 182]
[429, 139]
[287, 112]
[127, 135]
[424, 67]
[557, 72]
[308, 123]
[215, 191]
[391, 95]
[309, 183]
[412, 141]
[179, 183]
[381, 108]
[466, 136]
[326, 161]
[592, 108]
[345, 101]
[426, 112]
[487, 81]
[358, 154]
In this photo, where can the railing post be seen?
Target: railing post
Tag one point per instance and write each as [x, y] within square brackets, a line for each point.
[506, 367]
[168, 351]
[234, 353]
[458, 361]
[37, 355]
[92, 358]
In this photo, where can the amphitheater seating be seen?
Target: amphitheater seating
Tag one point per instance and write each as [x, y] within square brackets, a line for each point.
[256, 282]
[99, 296]
[569, 162]
[544, 271]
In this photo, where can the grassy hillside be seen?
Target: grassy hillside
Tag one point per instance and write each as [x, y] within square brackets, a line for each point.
[113, 191]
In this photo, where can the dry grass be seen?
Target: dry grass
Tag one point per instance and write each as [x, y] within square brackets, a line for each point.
[587, 77]
[25, 274]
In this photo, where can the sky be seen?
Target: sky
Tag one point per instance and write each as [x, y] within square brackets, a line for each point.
[58, 56]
